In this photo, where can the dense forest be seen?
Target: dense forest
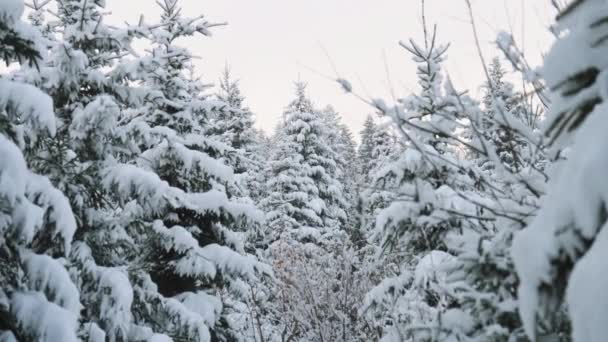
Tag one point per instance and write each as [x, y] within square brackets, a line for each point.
[138, 202]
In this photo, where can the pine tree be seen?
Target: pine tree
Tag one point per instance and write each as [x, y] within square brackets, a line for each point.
[342, 147]
[379, 191]
[501, 107]
[38, 300]
[508, 178]
[233, 124]
[429, 182]
[179, 195]
[452, 221]
[132, 159]
[308, 221]
[425, 171]
[366, 146]
[87, 104]
[259, 154]
[37, 18]
[559, 256]
[303, 197]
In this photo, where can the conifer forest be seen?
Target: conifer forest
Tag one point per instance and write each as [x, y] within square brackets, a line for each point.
[140, 201]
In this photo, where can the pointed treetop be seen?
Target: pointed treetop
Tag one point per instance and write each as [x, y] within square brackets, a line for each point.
[169, 7]
[496, 72]
[301, 103]
[300, 88]
[229, 89]
[369, 124]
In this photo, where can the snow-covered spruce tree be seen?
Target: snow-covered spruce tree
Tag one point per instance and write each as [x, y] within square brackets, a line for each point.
[379, 190]
[366, 146]
[233, 124]
[363, 172]
[92, 106]
[562, 252]
[37, 17]
[466, 290]
[340, 142]
[429, 204]
[318, 286]
[502, 105]
[304, 197]
[88, 107]
[258, 153]
[340, 139]
[38, 300]
[427, 172]
[189, 267]
[507, 171]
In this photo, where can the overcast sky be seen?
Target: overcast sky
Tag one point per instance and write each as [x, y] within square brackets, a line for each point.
[271, 43]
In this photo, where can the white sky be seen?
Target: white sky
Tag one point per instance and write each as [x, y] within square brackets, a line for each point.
[270, 43]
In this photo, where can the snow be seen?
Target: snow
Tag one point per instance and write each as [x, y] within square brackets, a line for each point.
[234, 240]
[210, 201]
[207, 306]
[34, 107]
[44, 320]
[318, 205]
[50, 276]
[195, 265]
[116, 296]
[432, 268]
[155, 194]
[457, 320]
[146, 186]
[160, 338]
[587, 305]
[12, 171]
[190, 159]
[99, 118]
[57, 206]
[188, 321]
[28, 219]
[16, 182]
[388, 285]
[177, 238]
[573, 213]
[579, 194]
[94, 332]
[7, 336]
[206, 261]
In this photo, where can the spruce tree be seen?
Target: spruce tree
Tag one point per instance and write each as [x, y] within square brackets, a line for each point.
[366, 146]
[559, 256]
[233, 124]
[342, 150]
[151, 193]
[38, 300]
[87, 104]
[427, 171]
[429, 182]
[506, 174]
[379, 191]
[303, 195]
[501, 107]
[178, 193]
